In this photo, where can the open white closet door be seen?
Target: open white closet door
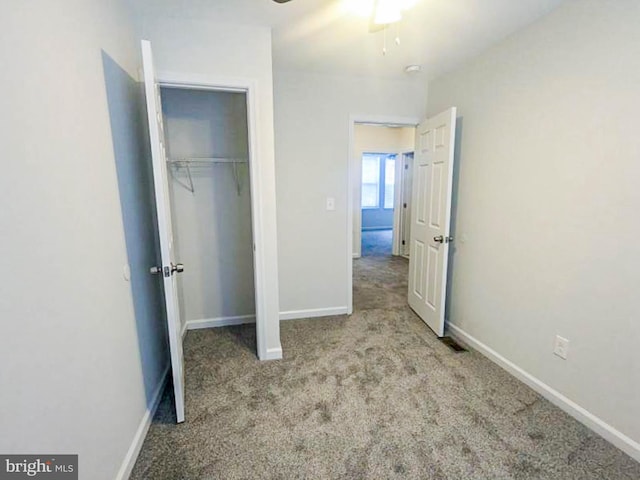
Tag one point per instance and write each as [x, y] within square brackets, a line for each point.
[169, 268]
[431, 218]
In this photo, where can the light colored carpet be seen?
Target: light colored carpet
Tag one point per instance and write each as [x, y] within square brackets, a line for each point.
[377, 242]
[371, 396]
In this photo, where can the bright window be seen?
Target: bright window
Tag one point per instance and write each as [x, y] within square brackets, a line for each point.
[378, 180]
[370, 181]
[389, 181]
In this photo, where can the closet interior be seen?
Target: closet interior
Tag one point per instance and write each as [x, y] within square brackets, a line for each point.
[207, 151]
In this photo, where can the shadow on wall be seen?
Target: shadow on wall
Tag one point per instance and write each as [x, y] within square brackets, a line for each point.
[457, 163]
[125, 98]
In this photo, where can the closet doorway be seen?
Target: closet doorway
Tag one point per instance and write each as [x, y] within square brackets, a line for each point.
[207, 148]
[208, 199]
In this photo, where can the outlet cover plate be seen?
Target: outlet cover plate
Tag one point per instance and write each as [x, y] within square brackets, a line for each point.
[561, 347]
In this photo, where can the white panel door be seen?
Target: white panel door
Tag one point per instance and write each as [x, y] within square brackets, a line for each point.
[169, 267]
[430, 218]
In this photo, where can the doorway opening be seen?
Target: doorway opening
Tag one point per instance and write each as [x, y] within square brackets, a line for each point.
[381, 153]
[382, 157]
[193, 119]
[421, 281]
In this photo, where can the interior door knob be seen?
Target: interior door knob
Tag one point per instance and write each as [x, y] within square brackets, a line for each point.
[438, 239]
[178, 267]
[155, 270]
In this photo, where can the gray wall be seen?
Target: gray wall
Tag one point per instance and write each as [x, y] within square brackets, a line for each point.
[312, 160]
[74, 378]
[546, 217]
[212, 225]
[377, 218]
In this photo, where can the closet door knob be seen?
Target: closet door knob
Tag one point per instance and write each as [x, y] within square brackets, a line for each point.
[178, 267]
[155, 270]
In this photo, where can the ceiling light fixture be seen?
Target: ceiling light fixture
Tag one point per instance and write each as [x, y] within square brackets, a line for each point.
[386, 12]
[382, 14]
[367, 8]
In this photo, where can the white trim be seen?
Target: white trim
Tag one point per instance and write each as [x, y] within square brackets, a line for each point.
[138, 439]
[273, 354]
[376, 229]
[248, 319]
[198, 81]
[369, 119]
[350, 252]
[609, 433]
[397, 204]
[220, 322]
[313, 313]
[356, 256]
[250, 86]
[184, 331]
[402, 224]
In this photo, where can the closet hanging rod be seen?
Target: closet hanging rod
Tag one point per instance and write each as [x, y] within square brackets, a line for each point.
[207, 160]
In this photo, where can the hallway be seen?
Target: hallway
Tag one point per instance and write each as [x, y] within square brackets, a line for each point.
[370, 396]
[376, 242]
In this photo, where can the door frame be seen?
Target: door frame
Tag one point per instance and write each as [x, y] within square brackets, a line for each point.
[352, 178]
[402, 221]
[189, 81]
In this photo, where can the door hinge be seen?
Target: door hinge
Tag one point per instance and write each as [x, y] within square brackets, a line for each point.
[406, 166]
[404, 205]
[403, 242]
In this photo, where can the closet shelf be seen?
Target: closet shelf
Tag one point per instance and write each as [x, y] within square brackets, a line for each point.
[205, 160]
[185, 164]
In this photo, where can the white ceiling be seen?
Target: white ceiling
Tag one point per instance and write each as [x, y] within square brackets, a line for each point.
[323, 36]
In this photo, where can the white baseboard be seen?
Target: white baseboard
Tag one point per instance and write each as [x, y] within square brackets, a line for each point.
[273, 354]
[138, 439]
[609, 433]
[313, 313]
[242, 319]
[220, 322]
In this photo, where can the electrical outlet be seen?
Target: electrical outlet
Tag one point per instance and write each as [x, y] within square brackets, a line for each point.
[561, 347]
[331, 203]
